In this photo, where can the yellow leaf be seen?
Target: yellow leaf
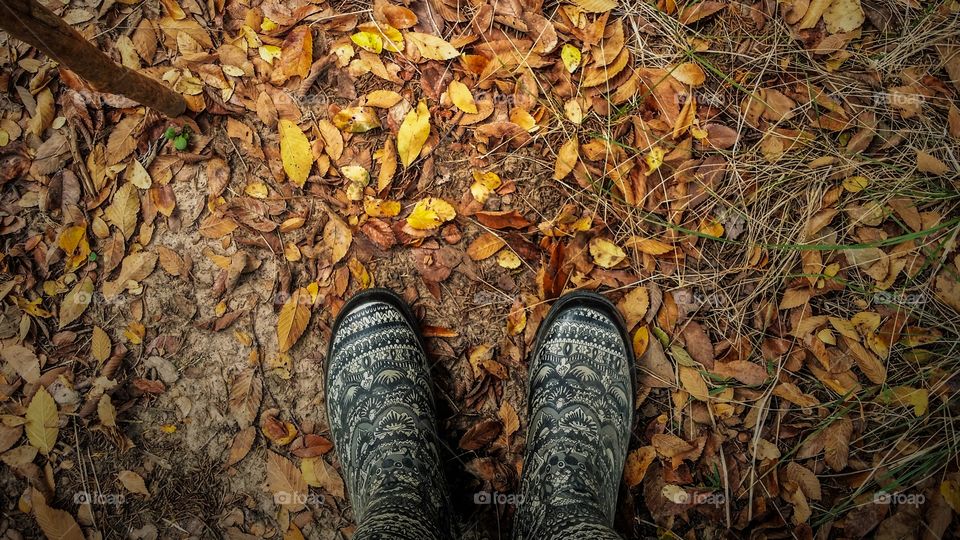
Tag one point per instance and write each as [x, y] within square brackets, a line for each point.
[257, 190]
[42, 423]
[293, 319]
[650, 246]
[267, 25]
[638, 461]
[383, 99]
[641, 339]
[269, 53]
[484, 183]
[605, 253]
[380, 208]
[711, 227]
[430, 213]
[295, 152]
[168, 428]
[950, 489]
[138, 176]
[461, 97]
[413, 133]
[360, 273]
[856, 184]
[508, 259]
[596, 6]
[73, 242]
[123, 210]
[567, 158]
[523, 119]
[356, 119]
[571, 57]
[391, 38]
[433, 47]
[368, 41]
[655, 158]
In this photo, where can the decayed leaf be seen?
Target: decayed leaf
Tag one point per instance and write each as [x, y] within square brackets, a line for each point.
[461, 97]
[241, 445]
[743, 370]
[356, 119]
[700, 10]
[509, 418]
[295, 152]
[318, 473]
[430, 212]
[928, 163]
[293, 319]
[413, 134]
[42, 423]
[605, 253]
[285, 482]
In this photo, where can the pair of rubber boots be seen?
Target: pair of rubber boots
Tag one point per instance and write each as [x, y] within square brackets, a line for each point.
[383, 421]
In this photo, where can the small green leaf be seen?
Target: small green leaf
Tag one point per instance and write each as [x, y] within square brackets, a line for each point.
[180, 143]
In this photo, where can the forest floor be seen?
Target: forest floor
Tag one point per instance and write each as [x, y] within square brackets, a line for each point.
[769, 191]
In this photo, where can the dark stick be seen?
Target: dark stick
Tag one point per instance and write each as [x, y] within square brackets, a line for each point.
[32, 23]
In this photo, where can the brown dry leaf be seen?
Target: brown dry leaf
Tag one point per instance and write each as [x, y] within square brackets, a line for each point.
[124, 209]
[293, 319]
[795, 298]
[338, 237]
[953, 121]
[242, 443]
[517, 318]
[793, 394]
[634, 306]
[693, 383]
[285, 482]
[133, 483]
[481, 434]
[596, 6]
[23, 361]
[743, 370]
[567, 158]
[100, 346]
[836, 442]
[638, 461]
[45, 112]
[246, 392]
[432, 47]
[689, 73]
[805, 478]
[928, 163]
[122, 140]
[297, 53]
[484, 246]
[55, 524]
[43, 424]
[316, 472]
[701, 10]
[509, 418]
[76, 301]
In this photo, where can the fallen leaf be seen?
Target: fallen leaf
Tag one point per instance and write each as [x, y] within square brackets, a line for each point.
[461, 97]
[42, 424]
[413, 134]
[295, 152]
[429, 213]
[605, 253]
[293, 319]
[133, 482]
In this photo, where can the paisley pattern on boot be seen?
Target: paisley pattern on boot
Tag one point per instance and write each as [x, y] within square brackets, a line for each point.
[581, 400]
[383, 422]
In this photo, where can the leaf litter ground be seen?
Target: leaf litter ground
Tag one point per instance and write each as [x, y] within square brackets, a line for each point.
[768, 191]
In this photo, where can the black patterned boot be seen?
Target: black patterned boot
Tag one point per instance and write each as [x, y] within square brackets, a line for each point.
[383, 421]
[581, 400]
